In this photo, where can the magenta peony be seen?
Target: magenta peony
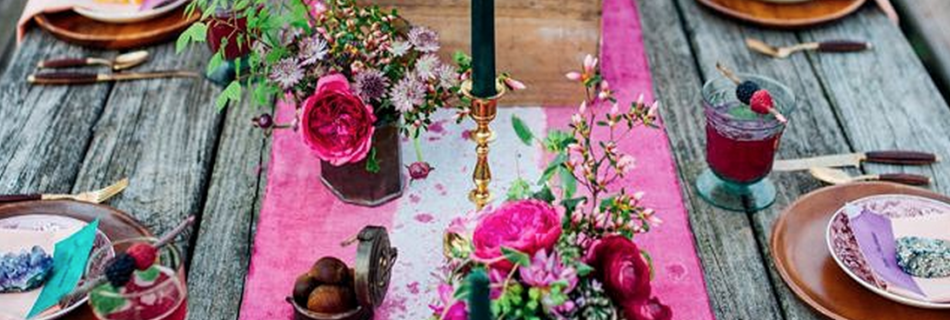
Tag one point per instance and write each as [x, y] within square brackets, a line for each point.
[623, 270]
[457, 311]
[651, 309]
[620, 266]
[336, 124]
[527, 226]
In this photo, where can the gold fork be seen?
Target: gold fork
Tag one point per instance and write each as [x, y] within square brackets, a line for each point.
[824, 46]
[97, 196]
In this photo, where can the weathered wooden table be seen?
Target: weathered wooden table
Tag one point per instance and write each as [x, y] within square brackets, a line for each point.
[185, 158]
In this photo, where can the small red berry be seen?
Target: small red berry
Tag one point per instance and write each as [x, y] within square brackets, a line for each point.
[265, 121]
[144, 255]
[761, 102]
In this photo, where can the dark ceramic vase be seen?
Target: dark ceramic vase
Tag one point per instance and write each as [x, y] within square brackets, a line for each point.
[353, 184]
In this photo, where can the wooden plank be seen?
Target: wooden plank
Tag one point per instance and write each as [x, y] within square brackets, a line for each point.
[162, 135]
[537, 41]
[884, 98]
[9, 15]
[44, 131]
[926, 23]
[734, 274]
[734, 247]
[223, 246]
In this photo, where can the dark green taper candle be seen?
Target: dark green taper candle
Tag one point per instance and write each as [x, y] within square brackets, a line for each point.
[483, 48]
[479, 301]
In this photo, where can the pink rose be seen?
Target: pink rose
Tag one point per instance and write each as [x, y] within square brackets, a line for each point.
[336, 124]
[618, 263]
[527, 226]
[457, 311]
[651, 309]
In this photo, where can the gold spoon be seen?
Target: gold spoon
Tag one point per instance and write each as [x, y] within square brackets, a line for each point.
[835, 176]
[121, 62]
[824, 46]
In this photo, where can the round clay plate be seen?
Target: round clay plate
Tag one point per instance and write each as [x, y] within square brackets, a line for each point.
[114, 225]
[785, 15]
[71, 27]
[804, 262]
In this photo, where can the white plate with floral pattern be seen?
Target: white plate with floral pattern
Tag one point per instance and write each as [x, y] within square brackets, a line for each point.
[916, 212]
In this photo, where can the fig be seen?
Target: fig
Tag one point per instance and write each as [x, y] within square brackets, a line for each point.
[331, 299]
[303, 287]
[330, 270]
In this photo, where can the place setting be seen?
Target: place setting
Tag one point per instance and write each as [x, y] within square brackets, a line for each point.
[62, 257]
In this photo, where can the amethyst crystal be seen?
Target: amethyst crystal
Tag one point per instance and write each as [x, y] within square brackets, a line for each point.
[24, 271]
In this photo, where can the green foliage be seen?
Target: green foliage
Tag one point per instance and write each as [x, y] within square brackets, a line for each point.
[231, 93]
[521, 129]
[558, 140]
[568, 182]
[544, 194]
[372, 164]
[552, 167]
[520, 189]
[195, 33]
[104, 299]
[517, 257]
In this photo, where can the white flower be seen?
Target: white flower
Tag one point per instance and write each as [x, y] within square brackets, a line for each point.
[400, 48]
[408, 93]
[448, 76]
[427, 67]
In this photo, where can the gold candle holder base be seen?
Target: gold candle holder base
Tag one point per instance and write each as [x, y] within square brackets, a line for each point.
[483, 113]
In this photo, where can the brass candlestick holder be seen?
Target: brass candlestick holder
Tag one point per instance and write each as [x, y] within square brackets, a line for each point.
[483, 112]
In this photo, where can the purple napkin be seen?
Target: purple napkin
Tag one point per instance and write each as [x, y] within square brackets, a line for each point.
[877, 243]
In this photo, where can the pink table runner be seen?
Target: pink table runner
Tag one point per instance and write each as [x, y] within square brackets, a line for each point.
[300, 221]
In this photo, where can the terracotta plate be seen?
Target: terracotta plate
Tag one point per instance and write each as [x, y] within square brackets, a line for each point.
[116, 225]
[802, 258]
[785, 15]
[74, 28]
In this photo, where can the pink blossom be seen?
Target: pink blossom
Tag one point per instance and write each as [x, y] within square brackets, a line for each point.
[573, 75]
[514, 84]
[457, 311]
[336, 125]
[527, 226]
[589, 64]
[626, 163]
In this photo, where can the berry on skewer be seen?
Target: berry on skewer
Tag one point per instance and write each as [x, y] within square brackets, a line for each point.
[750, 93]
[140, 256]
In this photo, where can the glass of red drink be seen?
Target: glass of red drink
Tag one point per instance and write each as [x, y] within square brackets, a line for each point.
[159, 293]
[740, 145]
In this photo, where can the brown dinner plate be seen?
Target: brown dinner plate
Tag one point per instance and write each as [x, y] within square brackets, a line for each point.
[785, 15]
[802, 258]
[116, 225]
[71, 27]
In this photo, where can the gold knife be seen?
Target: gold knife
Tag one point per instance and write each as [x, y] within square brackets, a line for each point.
[64, 78]
[855, 159]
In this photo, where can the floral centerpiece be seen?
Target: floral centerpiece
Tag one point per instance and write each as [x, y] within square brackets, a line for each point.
[570, 256]
[359, 76]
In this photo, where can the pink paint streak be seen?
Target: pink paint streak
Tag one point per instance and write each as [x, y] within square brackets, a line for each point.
[624, 64]
[424, 217]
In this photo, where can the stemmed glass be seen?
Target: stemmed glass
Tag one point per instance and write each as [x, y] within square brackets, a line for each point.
[740, 145]
[159, 293]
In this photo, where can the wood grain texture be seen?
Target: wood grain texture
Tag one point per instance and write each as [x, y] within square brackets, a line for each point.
[738, 285]
[9, 15]
[785, 15]
[926, 24]
[44, 131]
[884, 97]
[537, 41]
[222, 250]
[162, 135]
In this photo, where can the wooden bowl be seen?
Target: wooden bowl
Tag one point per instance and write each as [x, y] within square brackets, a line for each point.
[74, 28]
[804, 262]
